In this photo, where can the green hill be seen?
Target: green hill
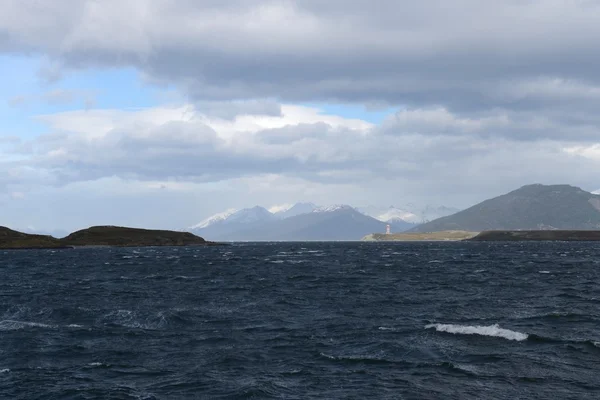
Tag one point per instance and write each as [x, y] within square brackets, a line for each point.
[532, 207]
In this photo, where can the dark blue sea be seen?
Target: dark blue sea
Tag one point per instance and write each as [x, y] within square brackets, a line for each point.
[302, 321]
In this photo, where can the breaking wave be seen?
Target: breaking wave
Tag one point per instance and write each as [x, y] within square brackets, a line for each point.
[491, 330]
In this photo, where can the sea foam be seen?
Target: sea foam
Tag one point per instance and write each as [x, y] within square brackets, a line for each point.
[492, 330]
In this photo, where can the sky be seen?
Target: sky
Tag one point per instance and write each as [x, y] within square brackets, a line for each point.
[160, 113]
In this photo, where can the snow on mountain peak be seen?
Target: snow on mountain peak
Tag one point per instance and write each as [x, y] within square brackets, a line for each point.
[215, 219]
[332, 208]
[278, 208]
[395, 214]
[250, 215]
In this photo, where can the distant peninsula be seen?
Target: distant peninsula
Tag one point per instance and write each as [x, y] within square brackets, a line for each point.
[420, 237]
[539, 235]
[97, 236]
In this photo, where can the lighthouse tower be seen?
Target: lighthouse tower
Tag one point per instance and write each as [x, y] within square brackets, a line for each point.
[388, 229]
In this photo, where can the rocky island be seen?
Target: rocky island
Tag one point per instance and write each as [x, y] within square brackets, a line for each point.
[100, 236]
[539, 235]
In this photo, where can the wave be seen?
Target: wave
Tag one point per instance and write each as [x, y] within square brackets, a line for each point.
[12, 325]
[491, 330]
[385, 328]
[4, 371]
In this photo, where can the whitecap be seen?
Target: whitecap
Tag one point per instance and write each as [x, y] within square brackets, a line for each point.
[95, 364]
[12, 325]
[544, 272]
[328, 356]
[4, 371]
[491, 330]
[436, 262]
[385, 328]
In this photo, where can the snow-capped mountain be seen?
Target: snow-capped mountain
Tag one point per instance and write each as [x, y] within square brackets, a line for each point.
[232, 215]
[306, 221]
[224, 224]
[337, 222]
[220, 217]
[250, 215]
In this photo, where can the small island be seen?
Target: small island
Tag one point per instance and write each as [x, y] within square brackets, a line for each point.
[420, 237]
[100, 236]
[539, 235]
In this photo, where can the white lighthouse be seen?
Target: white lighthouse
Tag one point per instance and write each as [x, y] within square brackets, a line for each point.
[388, 229]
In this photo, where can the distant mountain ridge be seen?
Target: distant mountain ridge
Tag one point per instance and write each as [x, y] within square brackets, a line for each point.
[302, 221]
[531, 207]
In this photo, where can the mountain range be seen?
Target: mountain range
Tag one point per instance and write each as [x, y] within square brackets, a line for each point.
[531, 207]
[307, 221]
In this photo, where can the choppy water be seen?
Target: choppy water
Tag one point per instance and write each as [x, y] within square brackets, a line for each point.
[302, 321]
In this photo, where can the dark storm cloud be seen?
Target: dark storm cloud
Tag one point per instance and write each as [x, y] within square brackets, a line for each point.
[465, 55]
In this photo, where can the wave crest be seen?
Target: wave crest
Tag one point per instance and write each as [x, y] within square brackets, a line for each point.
[13, 325]
[491, 330]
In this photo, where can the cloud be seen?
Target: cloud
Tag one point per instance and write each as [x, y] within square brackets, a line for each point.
[416, 151]
[533, 61]
[465, 57]
[231, 110]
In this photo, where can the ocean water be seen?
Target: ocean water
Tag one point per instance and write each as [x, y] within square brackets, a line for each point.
[303, 321]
